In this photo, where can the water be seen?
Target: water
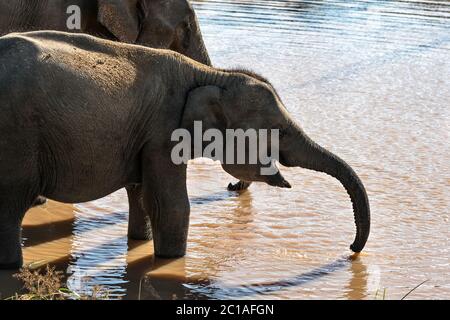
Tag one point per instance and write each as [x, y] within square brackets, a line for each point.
[368, 80]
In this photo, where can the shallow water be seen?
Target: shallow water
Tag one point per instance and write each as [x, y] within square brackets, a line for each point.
[368, 80]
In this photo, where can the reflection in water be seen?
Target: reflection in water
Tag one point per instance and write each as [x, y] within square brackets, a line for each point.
[358, 287]
[366, 79]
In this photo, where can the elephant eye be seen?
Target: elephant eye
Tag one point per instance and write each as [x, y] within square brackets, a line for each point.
[182, 38]
[186, 27]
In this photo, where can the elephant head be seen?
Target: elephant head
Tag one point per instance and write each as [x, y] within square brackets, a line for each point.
[239, 99]
[165, 24]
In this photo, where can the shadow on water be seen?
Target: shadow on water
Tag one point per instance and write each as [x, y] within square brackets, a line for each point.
[220, 291]
[298, 280]
[38, 234]
[148, 277]
[164, 287]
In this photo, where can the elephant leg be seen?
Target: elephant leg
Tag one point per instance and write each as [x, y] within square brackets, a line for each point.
[39, 201]
[139, 226]
[12, 211]
[239, 186]
[166, 199]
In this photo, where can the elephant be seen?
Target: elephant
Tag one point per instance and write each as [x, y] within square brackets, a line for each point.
[165, 24]
[168, 24]
[82, 117]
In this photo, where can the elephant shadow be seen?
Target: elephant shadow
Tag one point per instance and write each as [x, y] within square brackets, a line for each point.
[154, 287]
[142, 279]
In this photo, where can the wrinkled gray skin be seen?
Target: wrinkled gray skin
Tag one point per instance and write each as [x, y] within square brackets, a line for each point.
[166, 24]
[81, 117]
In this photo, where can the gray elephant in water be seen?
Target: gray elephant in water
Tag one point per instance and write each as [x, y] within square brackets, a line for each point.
[81, 117]
[166, 24]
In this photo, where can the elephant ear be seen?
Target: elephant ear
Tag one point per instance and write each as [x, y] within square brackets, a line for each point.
[121, 18]
[205, 104]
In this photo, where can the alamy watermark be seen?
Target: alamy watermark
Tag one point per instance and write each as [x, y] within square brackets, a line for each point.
[241, 147]
[73, 22]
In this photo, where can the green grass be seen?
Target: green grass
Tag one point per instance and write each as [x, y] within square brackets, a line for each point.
[382, 294]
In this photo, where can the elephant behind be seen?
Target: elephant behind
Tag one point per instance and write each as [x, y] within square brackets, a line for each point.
[165, 24]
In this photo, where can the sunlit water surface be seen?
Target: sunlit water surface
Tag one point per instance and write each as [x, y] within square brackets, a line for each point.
[368, 80]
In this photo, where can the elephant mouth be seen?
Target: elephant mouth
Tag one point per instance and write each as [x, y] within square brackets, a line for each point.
[280, 182]
[277, 179]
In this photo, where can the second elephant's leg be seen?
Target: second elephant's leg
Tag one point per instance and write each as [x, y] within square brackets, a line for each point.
[139, 226]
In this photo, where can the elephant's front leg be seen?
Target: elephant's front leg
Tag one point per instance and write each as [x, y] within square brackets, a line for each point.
[139, 226]
[166, 199]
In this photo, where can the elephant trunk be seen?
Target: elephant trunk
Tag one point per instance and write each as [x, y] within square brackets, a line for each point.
[310, 155]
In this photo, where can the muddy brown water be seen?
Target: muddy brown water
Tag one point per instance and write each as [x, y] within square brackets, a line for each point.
[369, 80]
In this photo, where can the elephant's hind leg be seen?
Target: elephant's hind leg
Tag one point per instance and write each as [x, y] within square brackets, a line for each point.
[12, 211]
[239, 186]
[139, 226]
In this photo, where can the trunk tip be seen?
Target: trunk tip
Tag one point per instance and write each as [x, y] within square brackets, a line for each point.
[356, 248]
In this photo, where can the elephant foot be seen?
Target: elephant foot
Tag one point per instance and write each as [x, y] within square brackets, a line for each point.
[239, 186]
[39, 201]
[170, 242]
